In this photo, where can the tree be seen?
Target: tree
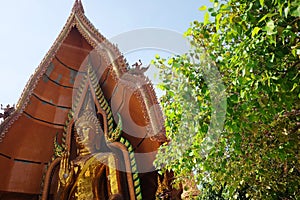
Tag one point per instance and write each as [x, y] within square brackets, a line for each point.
[232, 104]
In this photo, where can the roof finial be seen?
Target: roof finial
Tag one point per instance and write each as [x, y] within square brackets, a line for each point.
[77, 7]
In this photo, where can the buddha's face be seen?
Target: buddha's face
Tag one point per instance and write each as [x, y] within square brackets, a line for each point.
[86, 133]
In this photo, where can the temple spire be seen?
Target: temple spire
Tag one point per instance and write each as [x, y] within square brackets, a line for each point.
[77, 7]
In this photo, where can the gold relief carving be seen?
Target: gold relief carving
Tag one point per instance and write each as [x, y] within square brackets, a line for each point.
[113, 176]
[58, 149]
[163, 189]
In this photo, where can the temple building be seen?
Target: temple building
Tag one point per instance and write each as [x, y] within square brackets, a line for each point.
[85, 127]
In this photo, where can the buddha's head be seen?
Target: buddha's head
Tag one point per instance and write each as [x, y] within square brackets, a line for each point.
[88, 132]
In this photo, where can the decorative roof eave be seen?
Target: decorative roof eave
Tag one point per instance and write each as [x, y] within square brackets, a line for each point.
[35, 77]
[99, 43]
[142, 87]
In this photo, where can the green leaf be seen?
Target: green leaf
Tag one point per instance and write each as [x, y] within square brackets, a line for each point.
[206, 18]
[270, 27]
[262, 3]
[296, 12]
[294, 87]
[210, 10]
[216, 3]
[255, 31]
[218, 17]
[286, 12]
[267, 15]
[202, 8]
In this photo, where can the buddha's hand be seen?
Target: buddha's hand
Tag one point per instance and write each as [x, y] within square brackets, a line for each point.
[66, 170]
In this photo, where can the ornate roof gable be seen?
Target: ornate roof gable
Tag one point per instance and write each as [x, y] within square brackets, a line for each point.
[78, 20]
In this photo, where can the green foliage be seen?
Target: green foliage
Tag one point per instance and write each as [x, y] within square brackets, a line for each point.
[246, 146]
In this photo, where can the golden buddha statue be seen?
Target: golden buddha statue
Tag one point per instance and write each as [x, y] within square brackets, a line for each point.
[93, 161]
[93, 173]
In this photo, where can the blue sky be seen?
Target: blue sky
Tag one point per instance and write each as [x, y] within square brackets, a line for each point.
[28, 29]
